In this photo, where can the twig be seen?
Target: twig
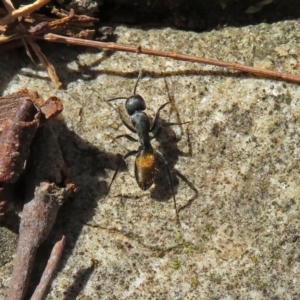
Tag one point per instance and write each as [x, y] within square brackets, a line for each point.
[24, 10]
[49, 25]
[45, 62]
[173, 55]
[44, 285]
[8, 5]
[5, 39]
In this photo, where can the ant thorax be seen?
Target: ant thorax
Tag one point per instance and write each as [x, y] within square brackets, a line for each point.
[141, 124]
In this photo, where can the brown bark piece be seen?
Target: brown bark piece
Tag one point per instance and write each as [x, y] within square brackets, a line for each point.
[52, 107]
[19, 120]
[21, 114]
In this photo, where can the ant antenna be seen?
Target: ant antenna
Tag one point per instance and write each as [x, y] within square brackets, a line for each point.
[113, 99]
[137, 81]
[135, 86]
[140, 70]
[134, 91]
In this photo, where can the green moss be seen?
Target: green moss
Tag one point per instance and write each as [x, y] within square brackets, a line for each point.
[194, 282]
[258, 282]
[209, 228]
[186, 246]
[215, 278]
[176, 264]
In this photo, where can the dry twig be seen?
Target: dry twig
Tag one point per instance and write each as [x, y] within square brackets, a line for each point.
[45, 62]
[41, 291]
[173, 55]
[20, 12]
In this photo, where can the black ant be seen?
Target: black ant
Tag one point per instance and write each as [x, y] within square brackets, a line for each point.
[146, 156]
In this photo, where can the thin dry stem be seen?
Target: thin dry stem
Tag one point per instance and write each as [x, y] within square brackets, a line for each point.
[173, 55]
[47, 65]
[51, 25]
[20, 12]
[8, 5]
[42, 289]
[24, 40]
[5, 39]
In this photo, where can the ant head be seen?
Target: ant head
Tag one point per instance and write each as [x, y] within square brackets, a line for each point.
[135, 103]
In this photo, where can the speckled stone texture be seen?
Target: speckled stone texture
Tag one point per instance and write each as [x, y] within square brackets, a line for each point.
[235, 168]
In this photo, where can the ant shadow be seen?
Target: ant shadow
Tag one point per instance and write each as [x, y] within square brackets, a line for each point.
[168, 147]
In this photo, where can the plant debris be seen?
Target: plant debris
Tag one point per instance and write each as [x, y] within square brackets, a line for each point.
[30, 25]
[29, 148]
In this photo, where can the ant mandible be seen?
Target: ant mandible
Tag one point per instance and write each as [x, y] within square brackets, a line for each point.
[146, 156]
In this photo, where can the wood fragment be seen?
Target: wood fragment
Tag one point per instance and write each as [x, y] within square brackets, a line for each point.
[52, 107]
[8, 5]
[35, 24]
[20, 115]
[5, 39]
[27, 38]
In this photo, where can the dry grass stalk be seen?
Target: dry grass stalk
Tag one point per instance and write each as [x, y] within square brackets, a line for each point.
[173, 55]
[20, 12]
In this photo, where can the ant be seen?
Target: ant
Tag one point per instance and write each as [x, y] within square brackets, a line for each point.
[146, 157]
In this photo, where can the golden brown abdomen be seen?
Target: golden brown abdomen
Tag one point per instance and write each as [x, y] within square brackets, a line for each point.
[145, 169]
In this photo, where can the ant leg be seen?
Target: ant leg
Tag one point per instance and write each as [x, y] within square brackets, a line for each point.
[134, 152]
[190, 185]
[122, 114]
[165, 125]
[127, 136]
[125, 120]
[154, 124]
[157, 132]
[163, 160]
